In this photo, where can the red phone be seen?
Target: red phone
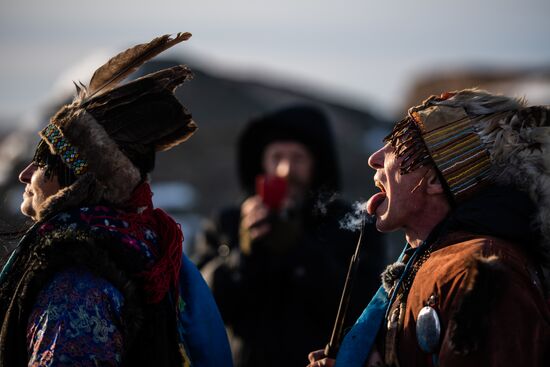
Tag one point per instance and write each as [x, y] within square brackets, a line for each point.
[272, 190]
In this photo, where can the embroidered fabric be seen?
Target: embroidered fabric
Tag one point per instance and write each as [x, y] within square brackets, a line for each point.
[133, 236]
[76, 322]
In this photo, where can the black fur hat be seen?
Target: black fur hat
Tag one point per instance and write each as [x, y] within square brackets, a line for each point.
[304, 124]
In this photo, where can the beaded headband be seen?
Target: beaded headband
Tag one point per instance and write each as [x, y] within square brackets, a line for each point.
[69, 154]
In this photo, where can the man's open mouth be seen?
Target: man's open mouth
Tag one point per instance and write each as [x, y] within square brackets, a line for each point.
[374, 202]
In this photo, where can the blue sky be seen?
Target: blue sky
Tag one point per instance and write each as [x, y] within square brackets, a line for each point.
[358, 50]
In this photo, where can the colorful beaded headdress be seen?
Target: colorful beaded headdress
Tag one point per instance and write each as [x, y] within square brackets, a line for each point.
[446, 137]
[108, 134]
[474, 139]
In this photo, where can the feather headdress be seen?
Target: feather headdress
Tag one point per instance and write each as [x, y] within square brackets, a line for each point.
[475, 139]
[106, 134]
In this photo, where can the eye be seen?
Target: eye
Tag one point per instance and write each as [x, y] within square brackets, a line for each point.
[39, 164]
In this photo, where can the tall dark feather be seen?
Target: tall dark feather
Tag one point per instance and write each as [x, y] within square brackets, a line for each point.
[151, 83]
[119, 67]
[181, 134]
[145, 112]
[80, 90]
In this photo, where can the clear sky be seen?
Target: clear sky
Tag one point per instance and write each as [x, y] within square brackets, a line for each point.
[363, 51]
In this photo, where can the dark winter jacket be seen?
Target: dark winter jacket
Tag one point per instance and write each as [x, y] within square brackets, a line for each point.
[269, 299]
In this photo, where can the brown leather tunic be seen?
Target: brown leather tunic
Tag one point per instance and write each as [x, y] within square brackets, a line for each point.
[490, 303]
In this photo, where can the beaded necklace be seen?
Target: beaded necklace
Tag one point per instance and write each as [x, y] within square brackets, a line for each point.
[407, 282]
[398, 302]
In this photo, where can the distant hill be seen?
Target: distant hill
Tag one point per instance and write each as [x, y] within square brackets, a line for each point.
[222, 106]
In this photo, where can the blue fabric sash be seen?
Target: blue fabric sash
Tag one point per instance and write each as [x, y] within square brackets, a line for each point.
[358, 342]
[202, 325]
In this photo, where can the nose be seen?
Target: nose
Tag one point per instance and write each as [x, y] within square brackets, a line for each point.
[376, 160]
[26, 175]
[283, 168]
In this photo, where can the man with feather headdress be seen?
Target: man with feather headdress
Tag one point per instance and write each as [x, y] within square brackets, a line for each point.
[99, 278]
[467, 176]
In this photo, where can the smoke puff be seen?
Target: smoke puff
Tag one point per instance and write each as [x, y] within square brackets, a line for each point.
[354, 220]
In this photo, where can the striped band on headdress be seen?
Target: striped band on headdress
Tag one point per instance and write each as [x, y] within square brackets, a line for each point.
[445, 137]
[455, 148]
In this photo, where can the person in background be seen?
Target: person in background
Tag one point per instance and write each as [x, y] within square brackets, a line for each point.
[267, 260]
[467, 176]
[99, 279]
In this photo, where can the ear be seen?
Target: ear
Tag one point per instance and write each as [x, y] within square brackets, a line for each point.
[433, 184]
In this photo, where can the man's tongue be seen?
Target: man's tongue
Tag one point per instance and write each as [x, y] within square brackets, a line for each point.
[374, 202]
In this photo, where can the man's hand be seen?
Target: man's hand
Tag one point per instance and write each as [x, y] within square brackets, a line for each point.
[318, 359]
[254, 217]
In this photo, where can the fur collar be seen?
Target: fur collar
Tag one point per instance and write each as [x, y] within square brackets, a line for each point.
[391, 275]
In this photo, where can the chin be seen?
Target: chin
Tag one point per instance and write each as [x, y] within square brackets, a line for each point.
[384, 225]
[382, 228]
[26, 210]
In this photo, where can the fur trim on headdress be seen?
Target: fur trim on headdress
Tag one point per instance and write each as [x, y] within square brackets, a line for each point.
[84, 189]
[518, 141]
[112, 169]
[520, 152]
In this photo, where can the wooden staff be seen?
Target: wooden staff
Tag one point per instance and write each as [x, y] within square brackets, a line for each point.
[331, 348]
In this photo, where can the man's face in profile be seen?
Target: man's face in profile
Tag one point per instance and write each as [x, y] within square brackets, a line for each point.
[38, 188]
[400, 201]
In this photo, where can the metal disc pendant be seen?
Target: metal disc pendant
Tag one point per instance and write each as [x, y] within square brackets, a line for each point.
[428, 329]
